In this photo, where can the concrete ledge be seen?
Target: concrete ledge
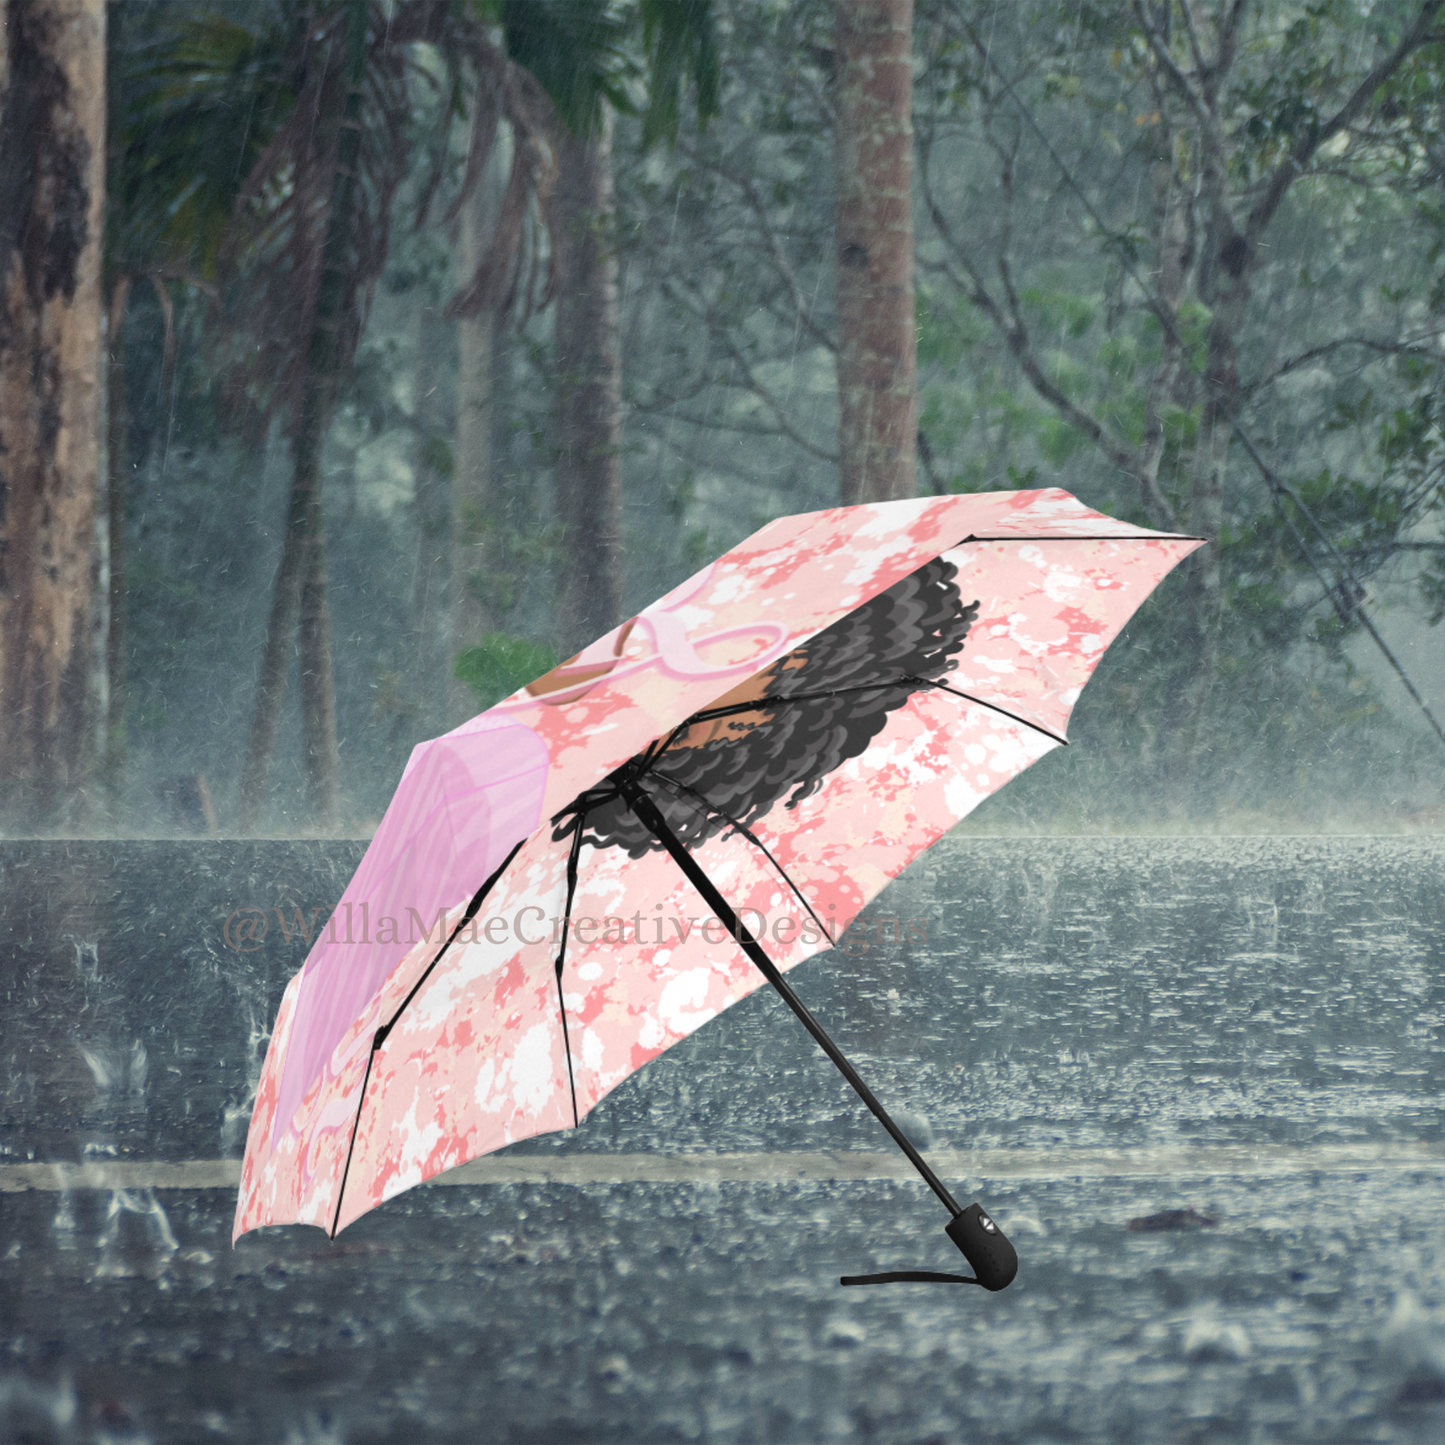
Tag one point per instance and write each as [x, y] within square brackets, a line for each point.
[756, 1167]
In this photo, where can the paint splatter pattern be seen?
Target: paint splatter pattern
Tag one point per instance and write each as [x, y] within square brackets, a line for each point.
[476, 1060]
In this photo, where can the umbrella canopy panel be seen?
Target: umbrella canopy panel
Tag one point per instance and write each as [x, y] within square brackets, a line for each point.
[826, 757]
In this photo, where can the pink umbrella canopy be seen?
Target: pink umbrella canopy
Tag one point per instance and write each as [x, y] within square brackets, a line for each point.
[580, 877]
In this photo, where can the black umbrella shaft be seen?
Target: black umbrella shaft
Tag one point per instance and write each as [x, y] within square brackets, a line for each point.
[652, 818]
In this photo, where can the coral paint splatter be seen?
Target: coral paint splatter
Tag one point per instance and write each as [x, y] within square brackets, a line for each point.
[881, 669]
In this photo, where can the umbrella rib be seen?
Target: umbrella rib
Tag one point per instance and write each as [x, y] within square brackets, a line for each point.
[379, 1037]
[758, 704]
[754, 840]
[1090, 537]
[351, 1146]
[573, 854]
[993, 707]
[651, 817]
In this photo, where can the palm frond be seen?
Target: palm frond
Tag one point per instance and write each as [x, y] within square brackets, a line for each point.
[680, 42]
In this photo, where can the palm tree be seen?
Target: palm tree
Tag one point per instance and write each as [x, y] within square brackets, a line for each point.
[329, 93]
[578, 50]
[503, 273]
[316, 229]
[184, 133]
[309, 238]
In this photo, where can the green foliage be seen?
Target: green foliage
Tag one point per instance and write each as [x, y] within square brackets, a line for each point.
[499, 664]
[193, 101]
[726, 255]
[680, 40]
[1058, 441]
[578, 51]
[582, 53]
[1059, 312]
[948, 327]
[437, 456]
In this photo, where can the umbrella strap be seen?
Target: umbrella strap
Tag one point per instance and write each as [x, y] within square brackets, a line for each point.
[651, 817]
[909, 1276]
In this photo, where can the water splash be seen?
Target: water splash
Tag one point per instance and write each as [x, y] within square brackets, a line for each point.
[1208, 1337]
[236, 1115]
[1413, 1337]
[128, 1252]
[114, 1069]
[315, 1430]
[33, 1410]
[1263, 916]
[137, 1071]
[63, 1225]
[102, 1069]
[87, 958]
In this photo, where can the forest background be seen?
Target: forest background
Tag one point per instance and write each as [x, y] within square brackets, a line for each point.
[360, 360]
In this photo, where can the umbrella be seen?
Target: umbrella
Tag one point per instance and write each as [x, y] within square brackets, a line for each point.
[583, 875]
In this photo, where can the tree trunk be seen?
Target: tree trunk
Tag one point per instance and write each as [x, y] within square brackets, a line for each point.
[877, 335]
[275, 664]
[117, 642]
[1226, 293]
[1174, 245]
[300, 591]
[589, 386]
[432, 463]
[52, 191]
[318, 679]
[472, 510]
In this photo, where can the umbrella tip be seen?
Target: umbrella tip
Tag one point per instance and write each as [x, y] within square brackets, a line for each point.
[985, 1246]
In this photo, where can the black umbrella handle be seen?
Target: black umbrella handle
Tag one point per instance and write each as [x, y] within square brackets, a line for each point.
[983, 1244]
[651, 817]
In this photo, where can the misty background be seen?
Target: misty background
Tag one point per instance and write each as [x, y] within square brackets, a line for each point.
[359, 359]
[1134, 226]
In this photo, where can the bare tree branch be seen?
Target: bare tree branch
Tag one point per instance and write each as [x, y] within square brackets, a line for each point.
[661, 402]
[711, 424]
[1014, 332]
[1370, 343]
[1165, 318]
[1187, 11]
[748, 381]
[1182, 83]
[1299, 158]
[1227, 31]
[748, 187]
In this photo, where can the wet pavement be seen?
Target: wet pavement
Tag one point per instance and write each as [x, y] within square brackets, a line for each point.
[1093, 1030]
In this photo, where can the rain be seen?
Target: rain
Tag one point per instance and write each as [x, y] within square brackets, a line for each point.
[363, 361]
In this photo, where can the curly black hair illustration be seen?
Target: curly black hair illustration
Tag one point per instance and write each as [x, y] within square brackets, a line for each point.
[914, 629]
